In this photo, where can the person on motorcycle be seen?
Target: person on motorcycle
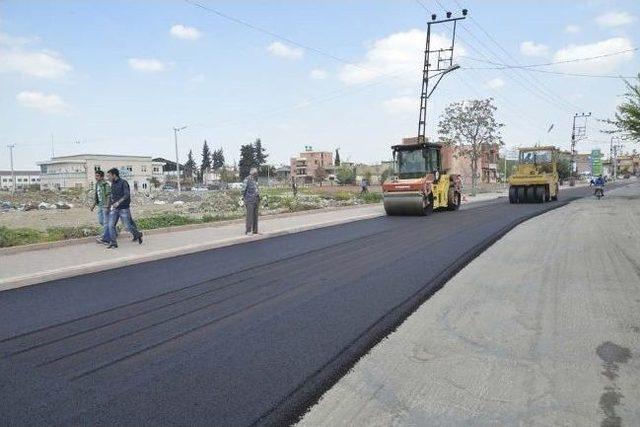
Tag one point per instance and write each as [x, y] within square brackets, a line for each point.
[599, 184]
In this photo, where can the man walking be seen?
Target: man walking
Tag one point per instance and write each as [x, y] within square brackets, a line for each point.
[251, 198]
[102, 194]
[120, 208]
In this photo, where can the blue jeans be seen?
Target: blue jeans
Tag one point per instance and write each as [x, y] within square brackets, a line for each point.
[127, 220]
[103, 220]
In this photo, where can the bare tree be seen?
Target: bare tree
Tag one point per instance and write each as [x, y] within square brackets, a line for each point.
[469, 126]
[320, 175]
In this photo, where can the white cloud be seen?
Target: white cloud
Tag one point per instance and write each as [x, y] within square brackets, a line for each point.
[615, 19]
[16, 58]
[318, 74]
[284, 51]
[186, 33]
[147, 64]
[401, 105]
[602, 65]
[532, 49]
[496, 83]
[48, 104]
[572, 29]
[397, 53]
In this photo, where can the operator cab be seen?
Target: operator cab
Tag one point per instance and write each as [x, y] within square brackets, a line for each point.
[540, 158]
[417, 160]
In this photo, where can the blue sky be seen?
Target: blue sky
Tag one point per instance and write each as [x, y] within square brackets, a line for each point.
[118, 75]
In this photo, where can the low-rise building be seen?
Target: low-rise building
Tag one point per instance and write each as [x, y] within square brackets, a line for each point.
[78, 171]
[305, 167]
[23, 179]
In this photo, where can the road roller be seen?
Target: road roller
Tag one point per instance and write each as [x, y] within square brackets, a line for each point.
[420, 185]
[536, 178]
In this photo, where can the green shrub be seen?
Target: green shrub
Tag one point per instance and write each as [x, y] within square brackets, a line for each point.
[54, 234]
[371, 197]
[19, 236]
[165, 220]
[343, 196]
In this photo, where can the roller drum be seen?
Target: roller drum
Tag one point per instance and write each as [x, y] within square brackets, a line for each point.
[403, 203]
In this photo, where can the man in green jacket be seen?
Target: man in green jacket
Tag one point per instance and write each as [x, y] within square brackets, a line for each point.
[101, 198]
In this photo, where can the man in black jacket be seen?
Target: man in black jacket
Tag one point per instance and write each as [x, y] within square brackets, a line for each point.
[120, 203]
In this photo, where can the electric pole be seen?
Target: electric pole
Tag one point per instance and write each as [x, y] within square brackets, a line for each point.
[442, 64]
[577, 133]
[614, 147]
[13, 177]
[175, 136]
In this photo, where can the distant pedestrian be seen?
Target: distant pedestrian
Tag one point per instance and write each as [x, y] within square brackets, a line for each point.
[120, 208]
[251, 198]
[101, 199]
[294, 187]
[363, 186]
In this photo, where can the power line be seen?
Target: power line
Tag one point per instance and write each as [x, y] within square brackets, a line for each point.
[534, 81]
[559, 73]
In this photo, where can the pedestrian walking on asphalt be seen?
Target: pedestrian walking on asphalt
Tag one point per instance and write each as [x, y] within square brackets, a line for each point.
[294, 187]
[120, 208]
[251, 198]
[101, 199]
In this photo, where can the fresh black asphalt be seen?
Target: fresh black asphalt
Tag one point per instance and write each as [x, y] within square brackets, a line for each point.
[247, 334]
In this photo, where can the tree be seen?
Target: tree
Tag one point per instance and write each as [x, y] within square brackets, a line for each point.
[217, 159]
[470, 125]
[320, 174]
[247, 159]
[190, 166]
[564, 169]
[205, 165]
[336, 162]
[154, 182]
[385, 174]
[627, 118]
[345, 175]
[259, 153]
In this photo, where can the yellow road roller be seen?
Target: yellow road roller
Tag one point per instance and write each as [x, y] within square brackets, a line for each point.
[420, 185]
[536, 178]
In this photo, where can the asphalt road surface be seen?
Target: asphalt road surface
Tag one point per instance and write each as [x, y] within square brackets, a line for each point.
[248, 334]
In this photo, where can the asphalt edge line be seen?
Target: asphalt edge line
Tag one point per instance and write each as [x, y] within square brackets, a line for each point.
[73, 271]
[291, 409]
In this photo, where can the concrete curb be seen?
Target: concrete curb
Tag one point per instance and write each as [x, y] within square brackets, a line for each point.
[71, 242]
[103, 265]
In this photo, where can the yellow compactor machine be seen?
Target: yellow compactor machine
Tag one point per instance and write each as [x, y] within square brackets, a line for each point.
[536, 178]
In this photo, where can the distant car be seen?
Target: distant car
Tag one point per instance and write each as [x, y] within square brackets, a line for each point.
[235, 186]
[199, 188]
[168, 188]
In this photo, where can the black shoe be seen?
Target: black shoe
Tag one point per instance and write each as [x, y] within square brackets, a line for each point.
[102, 241]
[139, 239]
[112, 246]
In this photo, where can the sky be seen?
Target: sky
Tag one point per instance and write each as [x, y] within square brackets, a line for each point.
[115, 77]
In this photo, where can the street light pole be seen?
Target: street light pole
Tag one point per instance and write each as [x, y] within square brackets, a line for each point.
[13, 178]
[577, 133]
[175, 136]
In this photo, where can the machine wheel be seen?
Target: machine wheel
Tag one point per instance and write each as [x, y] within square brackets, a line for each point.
[513, 194]
[547, 194]
[539, 192]
[522, 194]
[454, 201]
[531, 194]
[427, 207]
[555, 198]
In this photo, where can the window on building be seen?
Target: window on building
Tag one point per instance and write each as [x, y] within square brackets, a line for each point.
[156, 169]
[144, 185]
[129, 168]
[96, 168]
[143, 168]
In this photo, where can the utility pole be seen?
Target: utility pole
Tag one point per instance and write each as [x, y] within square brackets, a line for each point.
[53, 153]
[175, 136]
[442, 65]
[614, 147]
[13, 177]
[577, 133]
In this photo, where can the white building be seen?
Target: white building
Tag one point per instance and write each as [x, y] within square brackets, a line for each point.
[79, 171]
[24, 179]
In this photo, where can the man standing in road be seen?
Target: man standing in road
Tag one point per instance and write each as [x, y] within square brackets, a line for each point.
[120, 208]
[251, 198]
[102, 194]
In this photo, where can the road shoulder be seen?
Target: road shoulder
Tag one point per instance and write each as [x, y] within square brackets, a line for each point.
[543, 328]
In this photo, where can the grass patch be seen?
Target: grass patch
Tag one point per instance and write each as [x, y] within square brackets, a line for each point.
[165, 220]
[371, 197]
[25, 236]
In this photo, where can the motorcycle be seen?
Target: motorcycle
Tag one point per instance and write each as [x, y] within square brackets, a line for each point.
[599, 192]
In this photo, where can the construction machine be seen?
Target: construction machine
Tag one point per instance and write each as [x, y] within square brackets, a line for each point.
[420, 184]
[536, 178]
